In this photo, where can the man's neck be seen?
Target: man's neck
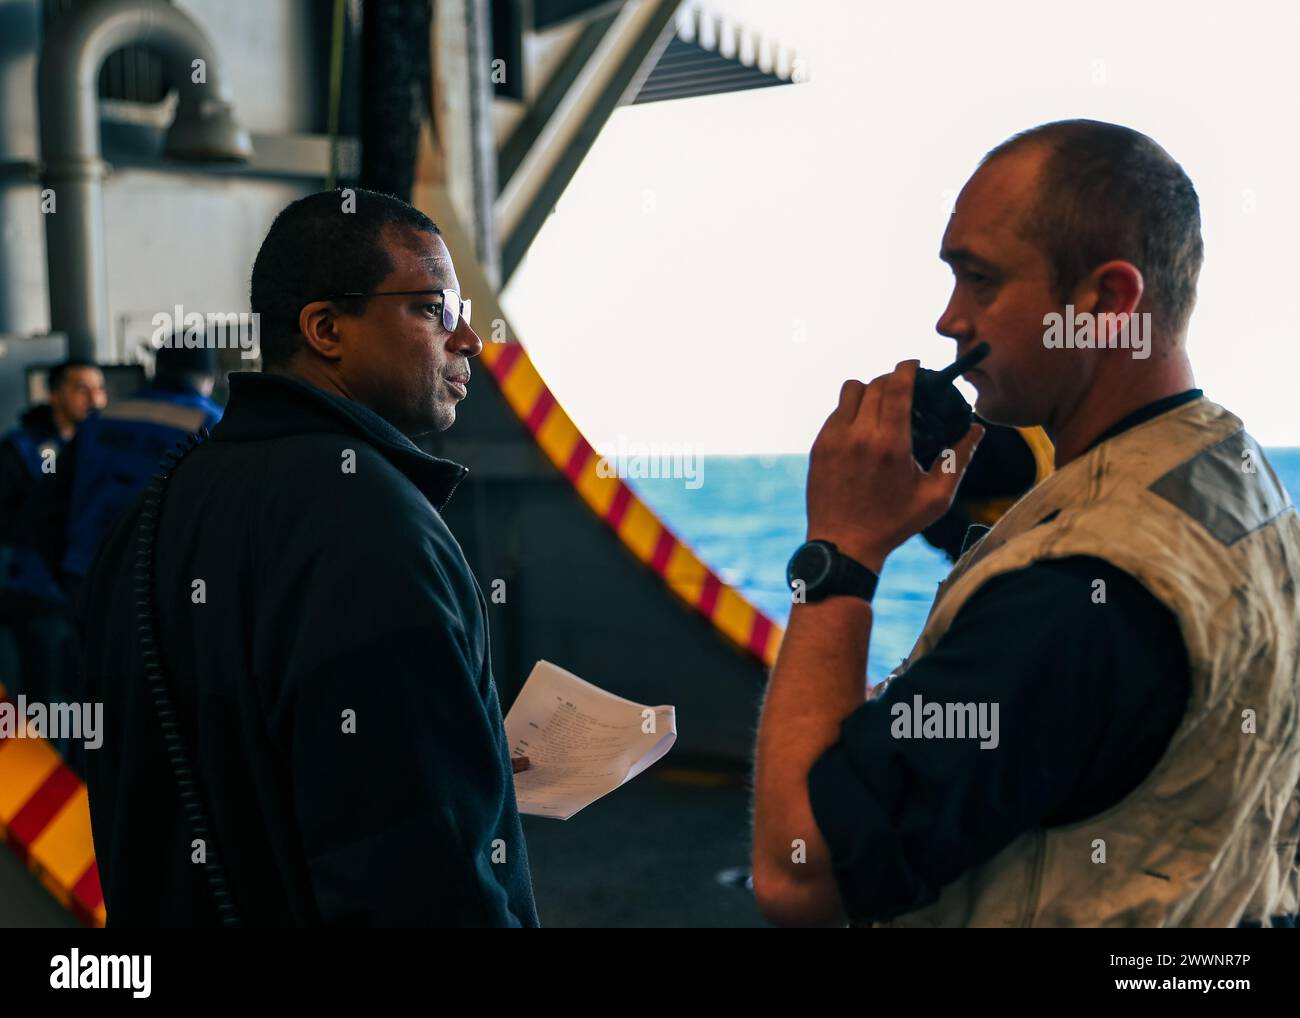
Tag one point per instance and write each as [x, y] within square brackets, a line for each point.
[1105, 402]
[315, 375]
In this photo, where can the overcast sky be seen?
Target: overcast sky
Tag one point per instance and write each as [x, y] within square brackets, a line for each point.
[720, 265]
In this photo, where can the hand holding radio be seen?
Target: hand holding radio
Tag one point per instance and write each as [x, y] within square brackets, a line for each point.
[868, 488]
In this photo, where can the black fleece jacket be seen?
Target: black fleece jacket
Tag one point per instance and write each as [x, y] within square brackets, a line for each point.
[327, 648]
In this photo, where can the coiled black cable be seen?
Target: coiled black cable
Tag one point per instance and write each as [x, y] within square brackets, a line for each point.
[187, 781]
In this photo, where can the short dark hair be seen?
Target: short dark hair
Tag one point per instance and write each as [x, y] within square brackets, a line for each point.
[315, 248]
[1108, 192]
[56, 375]
[178, 366]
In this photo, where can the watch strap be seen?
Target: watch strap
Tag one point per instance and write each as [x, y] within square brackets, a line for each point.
[853, 578]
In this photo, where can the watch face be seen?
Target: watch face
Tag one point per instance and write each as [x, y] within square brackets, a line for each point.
[812, 564]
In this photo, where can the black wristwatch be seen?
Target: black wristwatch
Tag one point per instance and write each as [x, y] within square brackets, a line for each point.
[824, 571]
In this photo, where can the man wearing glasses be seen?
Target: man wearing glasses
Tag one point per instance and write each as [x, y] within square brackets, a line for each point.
[322, 638]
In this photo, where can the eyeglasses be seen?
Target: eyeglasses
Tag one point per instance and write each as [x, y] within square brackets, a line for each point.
[453, 308]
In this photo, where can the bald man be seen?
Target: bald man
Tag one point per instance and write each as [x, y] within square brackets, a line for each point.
[1098, 723]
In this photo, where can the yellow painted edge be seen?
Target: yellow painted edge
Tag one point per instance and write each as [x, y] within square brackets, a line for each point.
[60, 892]
[734, 615]
[491, 351]
[598, 492]
[685, 574]
[639, 529]
[65, 848]
[558, 436]
[774, 636]
[522, 387]
[24, 766]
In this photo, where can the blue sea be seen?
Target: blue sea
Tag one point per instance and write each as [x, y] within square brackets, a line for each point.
[747, 516]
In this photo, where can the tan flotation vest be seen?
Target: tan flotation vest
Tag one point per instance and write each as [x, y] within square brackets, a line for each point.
[1188, 505]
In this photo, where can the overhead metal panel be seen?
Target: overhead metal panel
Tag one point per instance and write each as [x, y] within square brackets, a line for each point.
[707, 57]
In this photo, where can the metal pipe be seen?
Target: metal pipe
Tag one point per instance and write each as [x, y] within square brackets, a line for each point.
[75, 48]
[23, 310]
[478, 25]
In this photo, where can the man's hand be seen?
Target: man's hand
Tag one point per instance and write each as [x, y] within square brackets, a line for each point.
[866, 493]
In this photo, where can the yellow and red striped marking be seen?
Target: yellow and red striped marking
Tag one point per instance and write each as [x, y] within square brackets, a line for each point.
[45, 820]
[615, 502]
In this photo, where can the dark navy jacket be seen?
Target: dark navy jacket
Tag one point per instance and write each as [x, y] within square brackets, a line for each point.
[115, 454]
[24, 453]
[327, 646]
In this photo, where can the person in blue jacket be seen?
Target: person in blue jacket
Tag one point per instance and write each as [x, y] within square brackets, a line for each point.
[34, 626]
[116, 453]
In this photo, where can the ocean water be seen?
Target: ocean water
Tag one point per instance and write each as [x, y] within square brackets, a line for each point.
[748, 516]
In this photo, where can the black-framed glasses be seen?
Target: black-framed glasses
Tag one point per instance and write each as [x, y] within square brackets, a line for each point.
[453, 307]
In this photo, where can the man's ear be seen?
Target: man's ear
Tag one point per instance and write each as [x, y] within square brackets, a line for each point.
[318, 323]
[1118, 286]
